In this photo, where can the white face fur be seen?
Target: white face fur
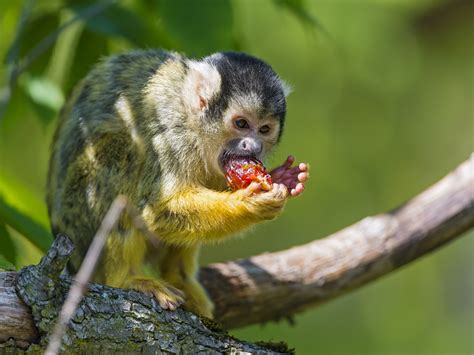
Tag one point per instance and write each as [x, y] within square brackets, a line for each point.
[241, 120]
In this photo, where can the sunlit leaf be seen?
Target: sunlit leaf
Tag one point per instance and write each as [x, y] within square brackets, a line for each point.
[199, 27]
[44, 92]
[46, 97]
[7, 248]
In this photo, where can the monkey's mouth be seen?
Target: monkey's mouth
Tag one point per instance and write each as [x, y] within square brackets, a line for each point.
[227, 157]
[240, 171]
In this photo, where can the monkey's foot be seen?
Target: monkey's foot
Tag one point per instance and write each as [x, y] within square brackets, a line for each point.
[167, 296]
[197, 300]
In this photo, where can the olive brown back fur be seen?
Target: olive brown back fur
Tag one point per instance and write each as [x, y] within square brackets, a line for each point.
[155, 126]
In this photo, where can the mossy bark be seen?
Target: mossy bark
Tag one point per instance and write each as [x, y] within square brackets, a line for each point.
[110, 320]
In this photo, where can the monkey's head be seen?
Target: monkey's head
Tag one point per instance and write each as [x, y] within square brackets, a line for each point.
[238, 104]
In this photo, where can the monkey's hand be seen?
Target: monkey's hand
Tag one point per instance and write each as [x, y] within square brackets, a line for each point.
[293, 178]
[264, 204]
[199, 215]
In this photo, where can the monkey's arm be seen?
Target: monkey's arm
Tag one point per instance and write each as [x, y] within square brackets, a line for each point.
[198, 215]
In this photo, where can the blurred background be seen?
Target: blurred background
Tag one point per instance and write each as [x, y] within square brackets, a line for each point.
[382, 108]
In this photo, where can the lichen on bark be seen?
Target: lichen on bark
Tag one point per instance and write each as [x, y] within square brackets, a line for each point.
[114, 320]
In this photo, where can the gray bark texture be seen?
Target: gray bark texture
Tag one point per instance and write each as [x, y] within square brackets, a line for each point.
[112, 320]
[262, 288]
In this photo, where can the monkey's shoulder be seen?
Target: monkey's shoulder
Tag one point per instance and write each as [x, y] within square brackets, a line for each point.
[126, 73]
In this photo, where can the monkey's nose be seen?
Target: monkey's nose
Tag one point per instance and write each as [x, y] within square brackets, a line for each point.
[250, 146]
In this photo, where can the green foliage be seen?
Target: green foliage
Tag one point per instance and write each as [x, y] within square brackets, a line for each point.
[118, 21]
[6, 246]
[299, 9]
[5, 265]
[21, 222]
[198, 27]
[22, 211]
[46, 97]
[381, 109]
[279, 347]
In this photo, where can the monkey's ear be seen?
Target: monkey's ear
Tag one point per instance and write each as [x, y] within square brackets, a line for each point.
[287, 88]
[202, 82]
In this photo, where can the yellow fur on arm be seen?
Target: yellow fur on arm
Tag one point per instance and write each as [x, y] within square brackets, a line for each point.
[199, 215]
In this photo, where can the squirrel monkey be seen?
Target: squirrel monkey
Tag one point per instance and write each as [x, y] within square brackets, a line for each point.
[157, 127]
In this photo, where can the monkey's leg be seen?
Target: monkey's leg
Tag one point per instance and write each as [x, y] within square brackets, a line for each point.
[123, 268]
[179, 266]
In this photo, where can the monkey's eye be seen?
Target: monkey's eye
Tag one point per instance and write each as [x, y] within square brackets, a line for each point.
[265, 129]
[241, 123]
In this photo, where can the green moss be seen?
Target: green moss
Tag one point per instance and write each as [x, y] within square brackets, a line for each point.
[279, 347]
[213, 325]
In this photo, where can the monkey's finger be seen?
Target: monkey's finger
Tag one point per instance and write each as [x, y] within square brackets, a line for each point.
[163, 302]
[296, 170]
[253, 188]
[299, 188]
[302, 176]
[288, 162]
[282, 190]
[177, 292]
[172, 305]
[282, 169]
[296, 175]
[303, 166]
[289, 182]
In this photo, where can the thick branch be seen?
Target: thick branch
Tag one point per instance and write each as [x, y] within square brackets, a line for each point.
[264, 287]
[276, 285]
[113, 320]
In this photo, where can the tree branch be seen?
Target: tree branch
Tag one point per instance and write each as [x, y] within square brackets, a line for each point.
[113, 320]
[258, 289]
[276, 285]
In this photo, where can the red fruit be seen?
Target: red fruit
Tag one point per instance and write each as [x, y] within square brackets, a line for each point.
[241, 172]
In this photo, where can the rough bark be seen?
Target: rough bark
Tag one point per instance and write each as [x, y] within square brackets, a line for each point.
[261, 288]
[114, 320]
[15, 317]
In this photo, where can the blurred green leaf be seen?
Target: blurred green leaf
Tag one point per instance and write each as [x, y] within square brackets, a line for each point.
[44, 92]
[7, 247]
[14, 49]
[5, 265]
[91, 47]
[22, 210]
[46, 97]
[37, 28]
[299, 9]
[199, 27]
[118, 21]
[22, 223]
